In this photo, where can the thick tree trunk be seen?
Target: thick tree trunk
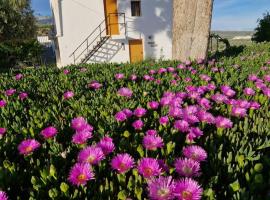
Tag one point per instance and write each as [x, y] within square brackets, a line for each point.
[191, 28]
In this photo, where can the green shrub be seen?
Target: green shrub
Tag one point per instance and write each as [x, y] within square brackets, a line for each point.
[262, 33]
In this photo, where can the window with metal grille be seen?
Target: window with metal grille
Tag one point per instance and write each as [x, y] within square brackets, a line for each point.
[135, 8]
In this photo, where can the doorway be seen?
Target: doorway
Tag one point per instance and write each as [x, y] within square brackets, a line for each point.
[111, 17]
[136, 51]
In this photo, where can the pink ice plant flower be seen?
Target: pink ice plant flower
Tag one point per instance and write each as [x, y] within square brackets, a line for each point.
[95, 85]
[91, 154]
[133, 77]
[238, 111]
[79, 124]
[3, 103]
[222, 122]
[161, 188]
[148, 167]
[80, 174]
[2, 131]
[139, 112]
[181, 125]
[195, 152]
[127, 112]
[249, 92]
[120, 116]
[18, 77]
[3, 195]
[119, 76]
[153, 105]
[68, 95]
[187, 167]
[122, 163]
[151, 132]
[187, 189]
[227, 90]
[125, 92]
[66, 71]
[23, 96]
[81, 137]
[107, 145]
[152, 142]
[138, 124]
[10, 92]
[255, 105]
[164, 120]
[49, 132]
[26, 147]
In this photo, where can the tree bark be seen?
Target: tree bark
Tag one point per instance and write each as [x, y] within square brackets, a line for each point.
[191, 28]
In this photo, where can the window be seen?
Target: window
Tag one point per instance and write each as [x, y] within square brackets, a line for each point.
[135, 8]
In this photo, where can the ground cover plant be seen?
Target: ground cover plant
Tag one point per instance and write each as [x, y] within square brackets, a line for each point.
[168, 130]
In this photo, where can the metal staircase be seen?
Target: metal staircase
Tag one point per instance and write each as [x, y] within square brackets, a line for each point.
[93, 42]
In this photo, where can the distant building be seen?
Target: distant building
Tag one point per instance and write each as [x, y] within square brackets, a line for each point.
[111, 30]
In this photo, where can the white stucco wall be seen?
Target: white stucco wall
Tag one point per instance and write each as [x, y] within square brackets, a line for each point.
[81, 17]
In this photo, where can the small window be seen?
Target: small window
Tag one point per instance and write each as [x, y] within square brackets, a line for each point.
[135, 8]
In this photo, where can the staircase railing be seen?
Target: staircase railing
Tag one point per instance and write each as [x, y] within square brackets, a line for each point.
[102, 30]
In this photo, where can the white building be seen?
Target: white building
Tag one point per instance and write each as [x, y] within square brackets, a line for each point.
[111, 30]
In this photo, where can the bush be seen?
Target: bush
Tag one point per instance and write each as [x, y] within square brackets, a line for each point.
[12, 52]
[238, 161]
[262, 32]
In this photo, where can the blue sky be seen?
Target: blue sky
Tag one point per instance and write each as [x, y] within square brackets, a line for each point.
[227, 14]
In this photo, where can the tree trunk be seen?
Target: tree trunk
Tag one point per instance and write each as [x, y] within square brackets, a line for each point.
[191, 28]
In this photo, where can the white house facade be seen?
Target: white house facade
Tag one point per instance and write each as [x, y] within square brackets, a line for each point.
[88, 31]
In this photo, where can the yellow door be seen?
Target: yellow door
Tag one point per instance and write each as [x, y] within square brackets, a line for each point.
[135, 50]
[111, 17]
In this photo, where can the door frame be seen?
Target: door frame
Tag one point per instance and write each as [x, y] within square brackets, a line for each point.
[129, 44]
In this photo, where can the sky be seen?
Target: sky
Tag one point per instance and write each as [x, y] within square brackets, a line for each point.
[233, 15]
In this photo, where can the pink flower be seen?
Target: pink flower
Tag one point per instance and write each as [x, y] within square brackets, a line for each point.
[80, 173]
[162, 70]
[94, 85]
[153, 105]
[107, 145]
[152, 72]
[181, 125]
[138, 124]
[205, 103]
[249, 92]
[139, 112]
[3, 195]
[122, 163]
[195, 152]
[252, 77]
[2, 131]
[92, 155]
[238, 111]
[222, 122]
[266, 92]
[133, 77]
[81, 137]
[254, 105]
[78, 124]
[163, 120]
[227, 91]
[187, 189]
[125, 92]
[152, 142]
[151, 132]
[120, 116]
[161, 188]
[127, 112]
[10, 92]
[149, 167]
[187, 167]
[206, 117]
[175, 112]
[66, 71]
[3, 103]
[26, 147]
[119, 76]
[83, 69]
[49, 132]
[18, 77]
[68, 95]
[219, 98]
[23, 95]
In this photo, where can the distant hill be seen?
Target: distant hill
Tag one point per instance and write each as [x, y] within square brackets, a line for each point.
[44, 20]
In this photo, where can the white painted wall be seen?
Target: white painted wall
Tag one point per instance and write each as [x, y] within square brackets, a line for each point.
[81, 17]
